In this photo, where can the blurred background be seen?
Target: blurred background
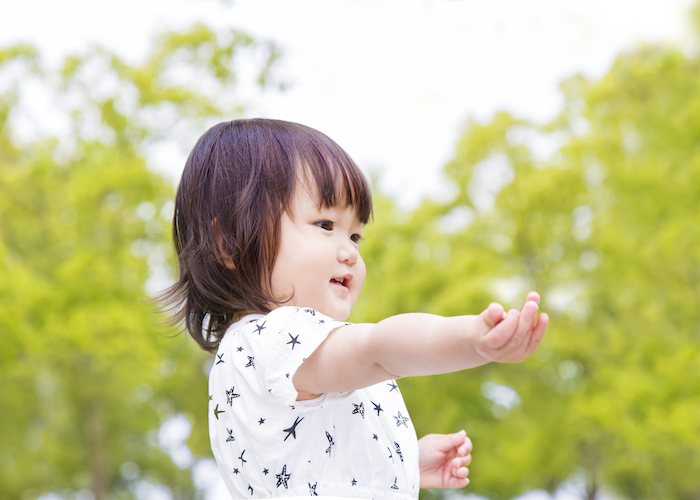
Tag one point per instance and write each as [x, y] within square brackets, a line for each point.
[512, 146]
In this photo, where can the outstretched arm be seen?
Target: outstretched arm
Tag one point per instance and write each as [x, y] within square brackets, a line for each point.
[443, 460]
[357, 356]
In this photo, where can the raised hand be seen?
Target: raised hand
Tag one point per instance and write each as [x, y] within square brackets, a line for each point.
[443, 460]
[514, 335]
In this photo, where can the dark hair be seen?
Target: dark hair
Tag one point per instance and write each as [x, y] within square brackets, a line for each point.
[237, 182]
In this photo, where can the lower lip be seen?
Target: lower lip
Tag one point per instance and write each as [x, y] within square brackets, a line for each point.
[339, 285]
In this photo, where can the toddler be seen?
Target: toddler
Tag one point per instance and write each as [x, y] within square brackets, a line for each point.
[268, 222]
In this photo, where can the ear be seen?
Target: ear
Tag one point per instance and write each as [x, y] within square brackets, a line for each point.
[221, 254]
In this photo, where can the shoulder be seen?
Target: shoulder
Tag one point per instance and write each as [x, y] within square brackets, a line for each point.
[298, 328]
[289, 317]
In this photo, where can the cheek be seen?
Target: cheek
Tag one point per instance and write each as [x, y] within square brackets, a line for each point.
[360, 273]
[282, 275]
[277, 280]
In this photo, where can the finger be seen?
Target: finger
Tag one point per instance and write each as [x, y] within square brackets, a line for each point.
[530, 309]
[493, 315]
[533, 296]
[466, 447]
[449, 442]
[528, 316]
[459, 470]
[457, 482]
[502, 333]
[461, 462]
[538, 333]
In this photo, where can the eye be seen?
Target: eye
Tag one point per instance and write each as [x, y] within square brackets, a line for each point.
[356, 238]
[326, 225]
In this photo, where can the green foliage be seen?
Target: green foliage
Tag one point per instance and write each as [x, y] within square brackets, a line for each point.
[605, 227]
[87, 376]
[598, 211]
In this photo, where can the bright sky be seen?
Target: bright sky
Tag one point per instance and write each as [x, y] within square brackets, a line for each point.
[392, 81]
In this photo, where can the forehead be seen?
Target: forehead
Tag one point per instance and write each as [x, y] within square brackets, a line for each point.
[308, 199]
[334, 181]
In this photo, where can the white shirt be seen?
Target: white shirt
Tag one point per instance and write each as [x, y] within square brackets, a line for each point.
[358, 444]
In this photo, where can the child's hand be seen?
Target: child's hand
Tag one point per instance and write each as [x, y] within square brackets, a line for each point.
[514, 335]
[443, 460]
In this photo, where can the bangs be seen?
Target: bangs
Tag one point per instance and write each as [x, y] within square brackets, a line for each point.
[337, 179]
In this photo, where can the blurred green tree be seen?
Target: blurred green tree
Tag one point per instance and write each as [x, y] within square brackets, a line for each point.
[599, 211]
[87, 379]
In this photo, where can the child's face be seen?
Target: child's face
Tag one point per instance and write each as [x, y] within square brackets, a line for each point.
[319, 263]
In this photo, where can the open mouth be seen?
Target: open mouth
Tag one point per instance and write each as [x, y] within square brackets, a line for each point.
[343, 281]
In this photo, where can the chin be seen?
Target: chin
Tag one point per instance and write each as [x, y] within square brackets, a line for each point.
[338, 314]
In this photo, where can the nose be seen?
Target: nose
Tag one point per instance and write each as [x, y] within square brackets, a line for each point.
[348, 253]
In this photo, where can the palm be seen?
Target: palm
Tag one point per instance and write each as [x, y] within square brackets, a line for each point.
[515, 335]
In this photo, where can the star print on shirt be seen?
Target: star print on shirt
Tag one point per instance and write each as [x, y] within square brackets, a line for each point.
[312, 489]
[230, 435]
[321, 321]
[231, 395]
[338, 457]
[283, 477]
[251, 362]
[239, 348]
[354, 481]
[221, 358]
[393, 385]
[398, 450]
[294, 340]
[401, 420]
[330, 443]
[359, 409]
[217, 411]
[292, 431]
[236, 471]
[260, 328]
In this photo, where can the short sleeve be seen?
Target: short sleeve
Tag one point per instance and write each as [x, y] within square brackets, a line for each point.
[282, 340]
